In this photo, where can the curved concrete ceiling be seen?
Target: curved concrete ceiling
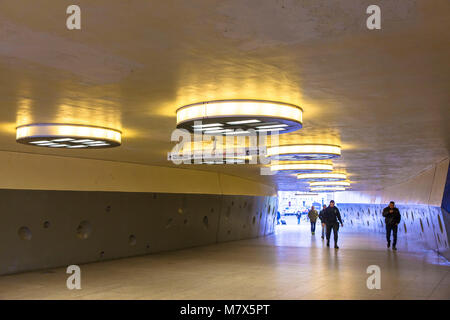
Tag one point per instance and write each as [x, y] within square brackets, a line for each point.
[383, 95]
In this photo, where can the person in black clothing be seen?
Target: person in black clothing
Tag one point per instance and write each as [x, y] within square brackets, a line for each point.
[392, 219]
[331, 216]
[321, 220]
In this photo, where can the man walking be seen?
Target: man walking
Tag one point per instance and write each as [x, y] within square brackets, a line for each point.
[322, 222]
[312, 215]
[332, 216]
[392, 219]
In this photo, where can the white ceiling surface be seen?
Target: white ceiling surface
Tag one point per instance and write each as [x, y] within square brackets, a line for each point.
[383, 95]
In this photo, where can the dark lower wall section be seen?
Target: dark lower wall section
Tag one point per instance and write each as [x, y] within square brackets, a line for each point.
[44, 229]
[426, 223]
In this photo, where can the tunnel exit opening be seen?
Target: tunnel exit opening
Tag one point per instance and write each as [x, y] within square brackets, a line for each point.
[293, 206]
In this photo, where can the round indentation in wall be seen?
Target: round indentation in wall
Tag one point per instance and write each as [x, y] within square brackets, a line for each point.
[147, 247]
[24, 233]
[102, 254]
[229, 232]
[84, 230]
[205, 222]
[108, 209]
[46, 224]
[132, 240]
[185, 222]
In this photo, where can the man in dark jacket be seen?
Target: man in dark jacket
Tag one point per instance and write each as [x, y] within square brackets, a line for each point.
[322, 222]
[331, 216]
[392, 219]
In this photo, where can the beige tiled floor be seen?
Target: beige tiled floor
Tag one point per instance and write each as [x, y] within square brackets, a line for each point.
[291, 264]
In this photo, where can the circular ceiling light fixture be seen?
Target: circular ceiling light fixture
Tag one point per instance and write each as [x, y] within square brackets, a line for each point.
[211, 154]
[209, 159]
[69, 136]
[304, 152]
[237, 117]
[322, 176]
[303, 167]
[330, 184]
[229, 160]
[327, 189]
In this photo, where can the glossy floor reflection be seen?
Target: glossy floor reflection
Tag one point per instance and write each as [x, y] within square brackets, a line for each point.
[290, 264]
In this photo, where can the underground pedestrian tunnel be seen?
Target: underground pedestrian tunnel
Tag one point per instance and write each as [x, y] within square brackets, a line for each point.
[115, 147]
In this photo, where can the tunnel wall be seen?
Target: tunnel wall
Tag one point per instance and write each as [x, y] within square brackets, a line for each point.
[49, 228]
[419, 200]
[44, 172]
[419, 222]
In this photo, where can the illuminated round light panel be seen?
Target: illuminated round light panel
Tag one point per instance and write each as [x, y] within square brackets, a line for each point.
[214, 156]
[303, 167]
[329, 184]
[68, 136]
[327, 189]
[304, 152]
[237, 117]
[212, 159]
[223, 161]
[322, 176]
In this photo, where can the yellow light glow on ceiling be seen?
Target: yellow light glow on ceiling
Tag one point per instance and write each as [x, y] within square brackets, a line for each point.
[330, 183]
[322, 176]
[310, 151]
